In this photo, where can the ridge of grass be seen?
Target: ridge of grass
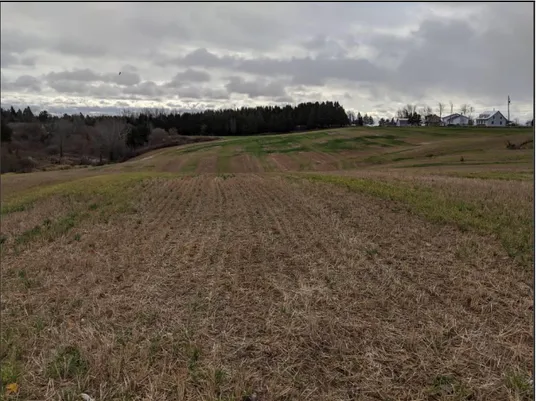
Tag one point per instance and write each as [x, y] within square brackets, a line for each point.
[495, 175]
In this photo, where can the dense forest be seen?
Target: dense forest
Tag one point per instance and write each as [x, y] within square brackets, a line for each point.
[244, 121]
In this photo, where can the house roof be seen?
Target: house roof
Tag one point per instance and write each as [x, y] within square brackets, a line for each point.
[451, 116]
[487, 114]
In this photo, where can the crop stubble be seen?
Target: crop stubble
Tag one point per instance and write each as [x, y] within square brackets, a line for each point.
[224, 285]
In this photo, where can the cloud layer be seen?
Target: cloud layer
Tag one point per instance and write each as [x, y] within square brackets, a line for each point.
[371, 57]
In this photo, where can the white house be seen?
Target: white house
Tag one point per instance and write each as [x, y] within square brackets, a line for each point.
[455, 119]
[491, 119]
[402, 122]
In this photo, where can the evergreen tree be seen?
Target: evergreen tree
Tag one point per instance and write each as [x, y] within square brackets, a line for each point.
[5, 131]
[359, 120]
[138, 135]
[27, 115]
[43, 116]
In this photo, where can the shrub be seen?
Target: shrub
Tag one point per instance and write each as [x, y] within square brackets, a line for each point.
[52, 150]
[5, 132]
[158, 136]
[28, 164]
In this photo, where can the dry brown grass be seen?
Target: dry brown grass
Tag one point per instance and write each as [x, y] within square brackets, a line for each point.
[245, 163]
[224, 286]
[217, 287]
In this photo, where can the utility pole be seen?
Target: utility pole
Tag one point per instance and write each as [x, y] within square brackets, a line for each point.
[508, 122]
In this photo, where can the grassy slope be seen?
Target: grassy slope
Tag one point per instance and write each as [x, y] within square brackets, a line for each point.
[487, 198]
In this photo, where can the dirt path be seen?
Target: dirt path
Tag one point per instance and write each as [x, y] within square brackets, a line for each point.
[223, 286]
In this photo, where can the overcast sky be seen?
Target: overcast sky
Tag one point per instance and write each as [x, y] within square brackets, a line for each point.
[371, 57]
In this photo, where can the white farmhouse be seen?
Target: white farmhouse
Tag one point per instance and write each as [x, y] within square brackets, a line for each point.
[455, 119]
[402, 122]
[491, 119]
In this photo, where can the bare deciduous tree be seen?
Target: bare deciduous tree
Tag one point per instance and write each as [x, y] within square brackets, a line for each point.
[426, 110]
[406, 111]
[113, 132]
[451, 107]
[440, 108]
[158, 136]
[63, 130]
[470, 111]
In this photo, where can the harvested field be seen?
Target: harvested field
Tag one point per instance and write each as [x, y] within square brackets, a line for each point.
[246, 163]
[284, 162]
[138, 282]
[207, 164]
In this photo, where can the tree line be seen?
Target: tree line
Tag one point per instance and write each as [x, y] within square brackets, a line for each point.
[102, 139]
[235, 122]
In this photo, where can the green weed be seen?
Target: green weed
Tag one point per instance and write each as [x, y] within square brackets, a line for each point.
[68, 363]
[9, 372]
[449, 386]
[111, 187]
[496, 175]
[520, 384]
[26, 282]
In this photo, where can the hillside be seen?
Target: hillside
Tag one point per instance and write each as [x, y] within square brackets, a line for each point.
[352, 263]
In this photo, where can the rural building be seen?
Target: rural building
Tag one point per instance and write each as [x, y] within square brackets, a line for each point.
[491, 119]
[402, 122]
[455, 119]
[432, 119]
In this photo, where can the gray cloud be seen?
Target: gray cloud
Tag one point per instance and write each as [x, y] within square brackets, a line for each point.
[365, 54]
[9, 59]
[188, 76]
[85, 75]
[24, 83]
[126, 78]
[304, 71]
[257, 88]
[197, 92]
